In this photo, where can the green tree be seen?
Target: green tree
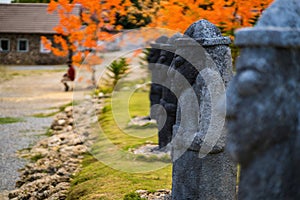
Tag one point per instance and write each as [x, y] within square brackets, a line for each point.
[117, 70]
[139, 14]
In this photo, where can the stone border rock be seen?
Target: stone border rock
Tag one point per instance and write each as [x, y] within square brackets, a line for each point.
[162, 194]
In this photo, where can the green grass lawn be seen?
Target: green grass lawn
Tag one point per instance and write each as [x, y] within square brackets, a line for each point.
[113, 171]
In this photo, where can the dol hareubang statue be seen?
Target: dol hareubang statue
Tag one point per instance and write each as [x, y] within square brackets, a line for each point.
[201, 70]
[168, 100]
[263, 105]
[156, 88]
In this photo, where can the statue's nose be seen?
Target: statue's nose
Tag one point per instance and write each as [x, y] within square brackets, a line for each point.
[178, 61]
[162, 59]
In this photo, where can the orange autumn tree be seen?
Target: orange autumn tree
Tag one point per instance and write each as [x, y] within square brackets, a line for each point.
[81, 25]
[226, 14]
[66, 41]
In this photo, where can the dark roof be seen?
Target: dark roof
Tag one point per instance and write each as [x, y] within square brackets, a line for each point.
[27, 18]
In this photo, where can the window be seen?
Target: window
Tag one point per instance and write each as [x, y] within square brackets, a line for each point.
[4, 45]
[43, 48]
[23, 45]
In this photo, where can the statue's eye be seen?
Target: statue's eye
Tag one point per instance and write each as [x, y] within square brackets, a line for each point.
[249, 82]
[178, 61]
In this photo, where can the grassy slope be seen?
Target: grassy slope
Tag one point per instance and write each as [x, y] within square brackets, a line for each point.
[99, 181]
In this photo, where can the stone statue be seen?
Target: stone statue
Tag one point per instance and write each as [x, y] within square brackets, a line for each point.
[156, 89]
[263, 105]
[168, 101]
[201, 167]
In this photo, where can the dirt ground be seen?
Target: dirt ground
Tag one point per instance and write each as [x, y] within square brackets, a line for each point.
[31, 93]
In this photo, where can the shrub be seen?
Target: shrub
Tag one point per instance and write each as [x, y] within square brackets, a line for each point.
[117, 70]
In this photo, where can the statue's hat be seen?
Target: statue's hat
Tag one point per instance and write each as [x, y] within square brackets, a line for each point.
[202, 33]
[168, 45]
[159, 41]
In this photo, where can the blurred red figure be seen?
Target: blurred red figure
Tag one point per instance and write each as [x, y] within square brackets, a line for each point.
[69, 76]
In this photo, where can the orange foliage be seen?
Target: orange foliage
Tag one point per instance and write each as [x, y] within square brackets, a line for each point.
[46, 42]
[77, 57]
[227, 14]
[93, 60]
[85, 29]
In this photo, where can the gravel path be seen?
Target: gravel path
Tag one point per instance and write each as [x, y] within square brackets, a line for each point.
[22, 97]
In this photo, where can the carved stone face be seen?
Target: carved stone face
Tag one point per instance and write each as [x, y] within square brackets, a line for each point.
[153, 57]
[164, 62]
[186, 71]
[261, 103]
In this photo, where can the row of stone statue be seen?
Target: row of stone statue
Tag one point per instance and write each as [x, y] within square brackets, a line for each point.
[257, 115]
